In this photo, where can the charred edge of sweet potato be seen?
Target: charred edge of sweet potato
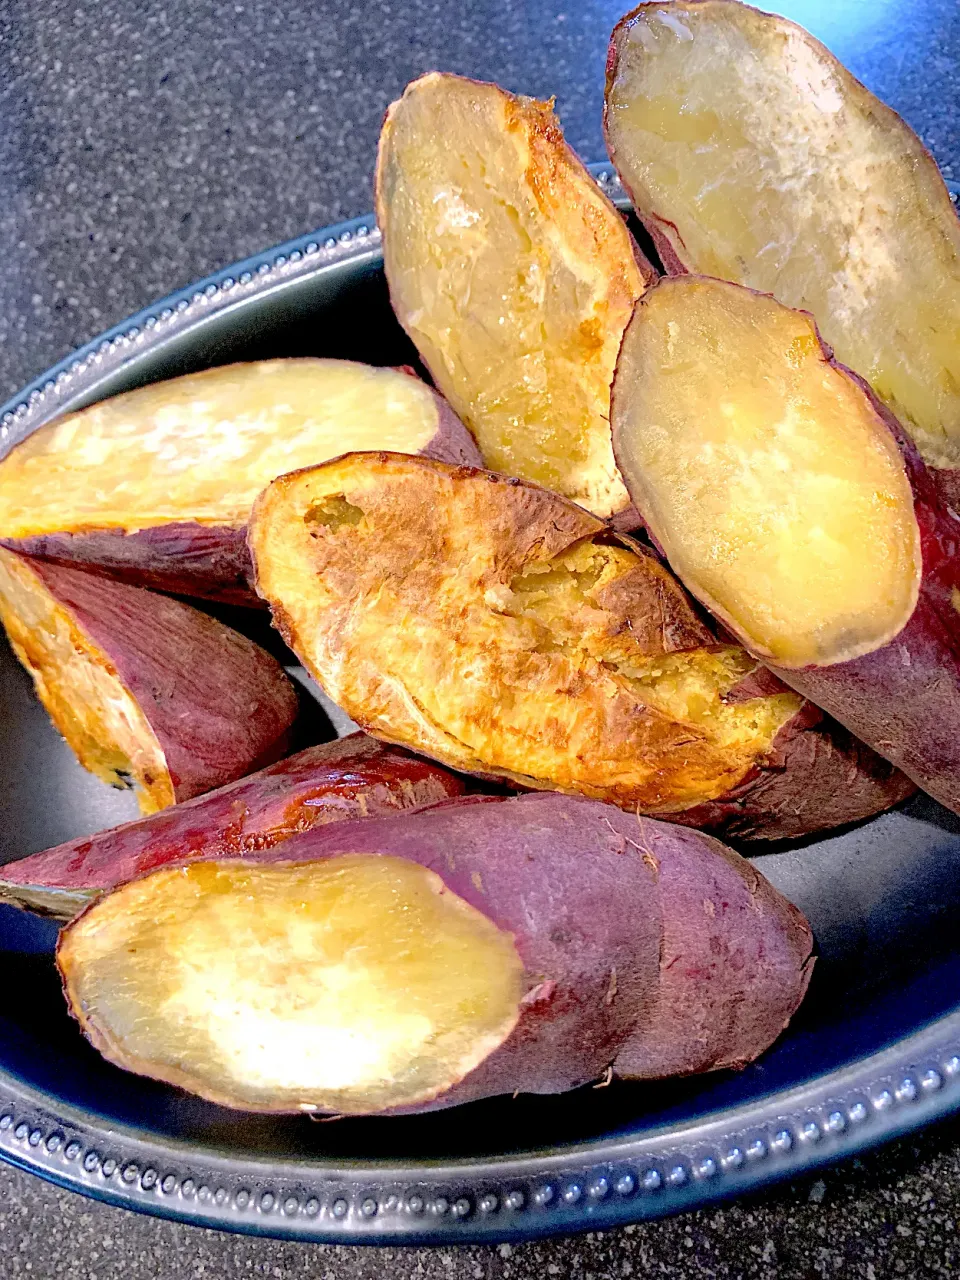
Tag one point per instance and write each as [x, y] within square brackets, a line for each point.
[816, 777]
[670, 625]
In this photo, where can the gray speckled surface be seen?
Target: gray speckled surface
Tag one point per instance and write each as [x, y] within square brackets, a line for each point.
[146, 142]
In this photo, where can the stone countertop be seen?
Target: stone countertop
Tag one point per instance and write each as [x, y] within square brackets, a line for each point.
[145, 143]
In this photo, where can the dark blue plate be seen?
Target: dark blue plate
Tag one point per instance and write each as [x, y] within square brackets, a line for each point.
[874, 1051]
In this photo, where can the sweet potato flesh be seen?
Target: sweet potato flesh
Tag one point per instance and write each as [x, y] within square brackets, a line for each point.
[347, 985]
[81, 690]
[766, 472]
[201, 447]
[513, 275]
[761, 160]
[469, 617]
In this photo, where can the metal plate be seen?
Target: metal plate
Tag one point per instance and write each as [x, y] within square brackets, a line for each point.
[874, 1051]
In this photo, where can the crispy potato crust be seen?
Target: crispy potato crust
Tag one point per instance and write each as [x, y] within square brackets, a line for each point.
[154, 486]
[353, 777]
[489, 624]
[753, 155]
[146, 690]
[514, 276]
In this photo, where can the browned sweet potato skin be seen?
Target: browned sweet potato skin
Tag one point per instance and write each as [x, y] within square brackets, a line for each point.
[398, 560]
[219, 705]
[816, 776]
[194, 557]
[354, 777]
[735, 961]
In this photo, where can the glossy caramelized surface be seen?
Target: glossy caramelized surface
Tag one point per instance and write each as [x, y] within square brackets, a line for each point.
[513, 275]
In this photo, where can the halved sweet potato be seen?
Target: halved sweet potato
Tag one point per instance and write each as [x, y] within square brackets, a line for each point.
[154, 487]
[500, 629]
[354, 777]
[148, 692]
[753, 155]
[484, 946]
[514, 276]
[790, 503]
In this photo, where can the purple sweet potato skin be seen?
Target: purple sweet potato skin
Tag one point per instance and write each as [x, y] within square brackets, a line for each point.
[817, 776]
[354, 777]
[209, 562]
[219, 705]
[452, 442]
[947, 483]
[904, 699]
[736, 960]
[567, 877]
[643, 942]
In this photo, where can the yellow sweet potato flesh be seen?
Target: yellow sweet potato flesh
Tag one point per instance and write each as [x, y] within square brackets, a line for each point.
[201, 447]
[482, 622]
[81, 690]
[513, 275]
[349, 985]
[763, 161]
[766, 473]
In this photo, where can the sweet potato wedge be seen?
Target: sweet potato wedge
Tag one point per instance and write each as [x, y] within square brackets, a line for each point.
[353, 777]
[503, 631]
[153, 487]
[514, 276]
[149, 692]
[484, 946]
[789, 501]
[753, 155]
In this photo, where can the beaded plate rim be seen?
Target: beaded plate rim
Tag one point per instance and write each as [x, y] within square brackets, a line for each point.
[592, 1185]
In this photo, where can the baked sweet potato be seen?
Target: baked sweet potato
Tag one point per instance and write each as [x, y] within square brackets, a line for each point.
[154, 487]
[514, 276]
[503, 631]
[753, 155]
[788, 500]
[481, 947]
[149, 692]
[353, 777]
